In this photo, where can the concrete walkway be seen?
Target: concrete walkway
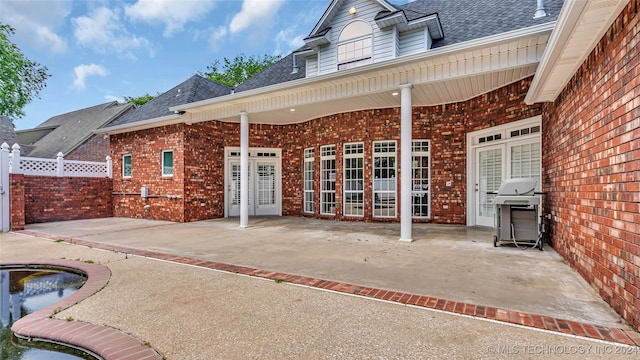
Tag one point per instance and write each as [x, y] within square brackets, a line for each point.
[451, 268]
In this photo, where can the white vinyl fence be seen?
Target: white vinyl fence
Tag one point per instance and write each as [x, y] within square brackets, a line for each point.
[56, 167]
[12, 163]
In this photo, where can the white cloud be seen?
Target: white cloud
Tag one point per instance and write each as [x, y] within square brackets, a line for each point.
[114, 98]
[83, 71]
[254, 12]
[103, 32]
[36, 21]
[174, 14]
[287, 40]
[216, 38]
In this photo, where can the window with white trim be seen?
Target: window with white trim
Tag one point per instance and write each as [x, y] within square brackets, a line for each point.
[353, 158]
[526, 162]
[384, 179]
[126, 166]
[355, 45]
[167, 163]
[328, 180]
[309, 188]
[421, 178]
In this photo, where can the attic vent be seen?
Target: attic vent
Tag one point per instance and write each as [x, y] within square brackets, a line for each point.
[541, 10]
[178, 93]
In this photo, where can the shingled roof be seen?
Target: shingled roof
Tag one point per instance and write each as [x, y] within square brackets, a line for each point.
[63, 133]
[464, 20]
[196, 88]
[7, 131]
[281, 71]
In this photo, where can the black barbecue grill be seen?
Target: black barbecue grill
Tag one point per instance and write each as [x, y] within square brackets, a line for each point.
[517, 218]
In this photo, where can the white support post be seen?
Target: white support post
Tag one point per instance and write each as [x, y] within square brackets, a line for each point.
[406, 124]
[5, 219]
[109, 167]
[244, 170]
[15, 160]
[60, 167]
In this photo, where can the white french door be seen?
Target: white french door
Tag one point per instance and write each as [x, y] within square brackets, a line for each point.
[489, 174]
[264, 185]
[518, 159]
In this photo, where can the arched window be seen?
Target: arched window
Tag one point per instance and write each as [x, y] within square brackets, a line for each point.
[354, 45]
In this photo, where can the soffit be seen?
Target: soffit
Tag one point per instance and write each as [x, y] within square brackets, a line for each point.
[581, 24]
[439, 76]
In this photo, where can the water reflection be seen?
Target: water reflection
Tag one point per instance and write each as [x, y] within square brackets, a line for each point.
[23, 292]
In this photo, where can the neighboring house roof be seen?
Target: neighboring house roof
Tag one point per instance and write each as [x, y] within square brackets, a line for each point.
[194, 89]
[63, 133]
[7, 131]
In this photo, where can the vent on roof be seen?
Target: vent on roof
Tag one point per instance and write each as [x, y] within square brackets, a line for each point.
[541, 11]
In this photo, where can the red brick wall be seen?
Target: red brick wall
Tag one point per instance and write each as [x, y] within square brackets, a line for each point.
[199, 156]
[96, 148]
[16, 199]
[49, 198]
[167, 197]
[591, 167]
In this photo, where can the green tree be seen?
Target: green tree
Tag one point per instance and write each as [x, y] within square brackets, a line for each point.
[20, 78]
[140, 100]
[233, 72]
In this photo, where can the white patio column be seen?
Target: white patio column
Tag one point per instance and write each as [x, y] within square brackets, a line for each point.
[244, 170]
[406, 123]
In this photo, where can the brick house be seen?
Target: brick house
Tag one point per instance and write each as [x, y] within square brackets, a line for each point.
[413, 113]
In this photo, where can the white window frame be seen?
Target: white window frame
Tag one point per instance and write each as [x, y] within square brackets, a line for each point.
[507, 133]
[350, 46]
[124, 176]
[419, 192]
[385, 189]
[308, 169]
[327, 176]
[353, 151]
[163, 166]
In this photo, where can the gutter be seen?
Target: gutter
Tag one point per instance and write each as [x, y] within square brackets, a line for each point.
[142, 125]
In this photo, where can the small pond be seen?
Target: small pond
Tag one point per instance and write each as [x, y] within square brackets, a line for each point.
[23, 291]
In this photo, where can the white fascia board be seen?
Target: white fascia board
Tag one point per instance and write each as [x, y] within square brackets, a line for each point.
[566, 22]
[569, 21]
[391, 63]
[142, 125]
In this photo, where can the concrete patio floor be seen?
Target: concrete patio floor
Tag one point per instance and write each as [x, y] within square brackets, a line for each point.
[451, 262]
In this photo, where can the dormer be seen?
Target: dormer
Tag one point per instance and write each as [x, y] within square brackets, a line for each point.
[353, 33]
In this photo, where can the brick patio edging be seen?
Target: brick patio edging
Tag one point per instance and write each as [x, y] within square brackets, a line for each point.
[100, 341]
[626, 337]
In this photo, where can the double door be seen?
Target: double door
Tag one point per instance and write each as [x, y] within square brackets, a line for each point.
[495, 163]
[264, 187]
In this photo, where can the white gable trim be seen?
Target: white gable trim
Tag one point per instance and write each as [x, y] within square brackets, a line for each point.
[333, 7]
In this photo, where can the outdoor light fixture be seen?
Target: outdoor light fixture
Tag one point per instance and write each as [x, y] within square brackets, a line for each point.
[292, 110]
[353, 10]
[395, 93]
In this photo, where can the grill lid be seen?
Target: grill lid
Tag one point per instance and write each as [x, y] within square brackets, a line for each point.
[519, 186]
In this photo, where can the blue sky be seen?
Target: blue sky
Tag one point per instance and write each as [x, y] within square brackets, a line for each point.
[99, 50]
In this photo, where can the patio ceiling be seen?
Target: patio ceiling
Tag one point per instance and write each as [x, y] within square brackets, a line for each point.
[439, 76]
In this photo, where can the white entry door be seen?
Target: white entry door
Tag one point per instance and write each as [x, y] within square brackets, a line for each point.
[489, 174]
[264, 186]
